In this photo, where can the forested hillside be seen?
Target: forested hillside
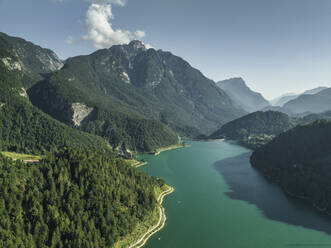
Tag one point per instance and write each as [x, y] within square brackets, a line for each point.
[256, 129]
[299, 160]
[73, 198]
[25, 129]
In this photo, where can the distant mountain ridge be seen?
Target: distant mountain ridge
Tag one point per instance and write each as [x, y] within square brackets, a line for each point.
[311, 103]
[276, 101]
[281, 101]
[241, 94]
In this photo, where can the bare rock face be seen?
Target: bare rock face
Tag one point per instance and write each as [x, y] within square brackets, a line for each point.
[80, 113]
[11, 65]
[49, 61]
[22, 93]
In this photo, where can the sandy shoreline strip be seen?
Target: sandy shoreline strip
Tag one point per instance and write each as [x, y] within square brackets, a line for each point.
[154, 229]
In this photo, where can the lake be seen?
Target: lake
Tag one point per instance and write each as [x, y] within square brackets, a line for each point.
[221, 201]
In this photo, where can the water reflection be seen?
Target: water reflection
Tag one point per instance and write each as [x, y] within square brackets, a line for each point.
[249, 185]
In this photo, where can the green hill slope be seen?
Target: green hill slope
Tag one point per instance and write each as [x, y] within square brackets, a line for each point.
[255, 129]
[299, 161]
[74, 198]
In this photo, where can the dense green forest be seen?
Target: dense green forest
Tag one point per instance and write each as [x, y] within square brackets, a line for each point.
[73, 198]
[25, 129]
[300, 161]
[313, 117]
[255, 129]
[136, 134]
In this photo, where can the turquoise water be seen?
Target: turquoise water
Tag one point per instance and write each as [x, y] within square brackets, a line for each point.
[220, 201]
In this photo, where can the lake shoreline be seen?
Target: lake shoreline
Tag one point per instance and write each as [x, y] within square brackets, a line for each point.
[168, 148]
[161, 223]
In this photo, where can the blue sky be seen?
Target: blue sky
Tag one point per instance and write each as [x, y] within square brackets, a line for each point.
[277, 46]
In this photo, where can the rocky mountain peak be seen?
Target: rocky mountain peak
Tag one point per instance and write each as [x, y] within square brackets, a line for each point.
[137, 45]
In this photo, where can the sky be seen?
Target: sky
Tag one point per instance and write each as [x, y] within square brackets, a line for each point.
[276, 46]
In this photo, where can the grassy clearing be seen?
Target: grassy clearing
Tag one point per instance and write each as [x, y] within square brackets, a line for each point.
[135, 163]
[24, 157]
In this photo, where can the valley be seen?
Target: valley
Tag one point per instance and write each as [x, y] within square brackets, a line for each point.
[130, 146]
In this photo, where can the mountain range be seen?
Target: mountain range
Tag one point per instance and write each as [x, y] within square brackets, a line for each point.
[282, 100]
[310, 103]
[129, 84]
[240, 93]
[136, 98]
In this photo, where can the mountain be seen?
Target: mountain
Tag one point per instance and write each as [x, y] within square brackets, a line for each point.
[256, 128]
[23, 127]
[281, 101]
[299, 161]
[25, 64]
[237, 89]
[130, 87]
[316, 103]
[81, 194]
[284, 99]
[275, 101]
[314, 91]
[34, 62]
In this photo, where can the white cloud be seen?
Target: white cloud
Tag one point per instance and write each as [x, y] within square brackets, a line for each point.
[70, 40]
[99, 28]
[140, 34]
[115, 2]
[148, 46]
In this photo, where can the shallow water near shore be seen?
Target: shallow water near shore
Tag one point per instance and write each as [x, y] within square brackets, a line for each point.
[221, 201]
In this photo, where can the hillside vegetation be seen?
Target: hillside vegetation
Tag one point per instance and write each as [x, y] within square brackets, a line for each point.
[255, 129]
[299, 160]
[73, 198]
